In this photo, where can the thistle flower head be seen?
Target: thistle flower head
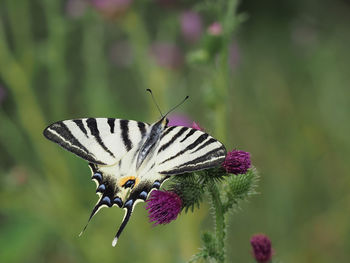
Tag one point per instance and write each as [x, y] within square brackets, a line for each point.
[196, 126]
[163, 207]
[179, 120]
[262, 250]
[237, 162]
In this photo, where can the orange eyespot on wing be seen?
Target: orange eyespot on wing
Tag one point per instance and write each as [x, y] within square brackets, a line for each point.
[128, 181]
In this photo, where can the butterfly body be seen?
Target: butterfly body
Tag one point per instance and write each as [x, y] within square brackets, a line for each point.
[129, 159]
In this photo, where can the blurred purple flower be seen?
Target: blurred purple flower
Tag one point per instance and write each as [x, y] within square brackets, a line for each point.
[179, 120]
[111, 8]
[196, 126]
[163, 207]
[76, 8]
[3, 94]
[262, 250]
[121, 54]
[191, 26]
[237, 162]
[215, 29]
[167, 55]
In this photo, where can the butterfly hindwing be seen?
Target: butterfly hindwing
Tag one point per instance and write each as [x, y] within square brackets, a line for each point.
[183, 149]
[97, 140]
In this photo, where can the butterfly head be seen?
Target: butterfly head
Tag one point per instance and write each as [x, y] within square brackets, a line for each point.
[164, 122]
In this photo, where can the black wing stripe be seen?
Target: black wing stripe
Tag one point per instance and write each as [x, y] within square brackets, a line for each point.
[64, 131]
[124, 127]
[205, 144]
[80, 125]
[173, 139]
[111, 123]
[213, 158]
[169, 129]
[142, 128]
[92, 125]
[199, 140]
[188, 135]
[58, 131]
[207, 157]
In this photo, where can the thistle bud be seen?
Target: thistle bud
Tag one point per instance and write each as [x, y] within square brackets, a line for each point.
[237, 162]
[262, 250]
[163, 207]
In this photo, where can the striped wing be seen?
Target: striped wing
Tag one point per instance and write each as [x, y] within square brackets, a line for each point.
[101, 141]
[183, 149]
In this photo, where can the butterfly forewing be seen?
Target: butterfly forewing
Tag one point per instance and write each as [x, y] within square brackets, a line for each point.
[98, 140]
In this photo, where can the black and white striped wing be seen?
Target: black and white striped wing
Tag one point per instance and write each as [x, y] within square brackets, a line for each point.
[183, 149]
[101, 141]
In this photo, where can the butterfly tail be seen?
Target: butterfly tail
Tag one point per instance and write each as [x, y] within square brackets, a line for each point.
[94, 211]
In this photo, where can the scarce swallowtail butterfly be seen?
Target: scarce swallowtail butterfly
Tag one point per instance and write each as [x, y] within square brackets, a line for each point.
[129, 159]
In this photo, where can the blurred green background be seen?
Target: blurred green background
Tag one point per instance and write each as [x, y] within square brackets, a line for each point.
[277, 86]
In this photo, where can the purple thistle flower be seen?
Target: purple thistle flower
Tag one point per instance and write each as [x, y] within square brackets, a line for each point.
[196, 126]
[163, 207]
[191, 26]
[179, 120]
[237, 162]
[262, 250]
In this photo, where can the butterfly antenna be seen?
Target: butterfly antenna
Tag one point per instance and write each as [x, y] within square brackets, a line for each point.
[177, 105]
[155, 102]
[124, 222]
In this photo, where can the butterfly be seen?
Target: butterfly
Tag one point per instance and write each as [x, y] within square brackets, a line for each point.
[129, 159]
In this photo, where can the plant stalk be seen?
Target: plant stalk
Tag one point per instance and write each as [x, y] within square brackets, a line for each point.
[220, 226]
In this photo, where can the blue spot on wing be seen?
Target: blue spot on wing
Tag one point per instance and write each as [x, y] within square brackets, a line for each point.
[107, 201]
[101, 188]
[143, 195]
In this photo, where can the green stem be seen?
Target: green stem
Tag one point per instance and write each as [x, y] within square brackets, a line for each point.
[54, 59]
[220, 226]
[28, 110]
[222, 80]
[96, 86]
[151, 76]
[19, 19]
